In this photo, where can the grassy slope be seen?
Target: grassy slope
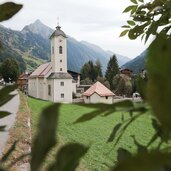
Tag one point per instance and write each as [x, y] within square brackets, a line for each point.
[94, 133]
[32, 63]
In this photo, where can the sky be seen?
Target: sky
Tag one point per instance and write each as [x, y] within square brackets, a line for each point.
[96, 21]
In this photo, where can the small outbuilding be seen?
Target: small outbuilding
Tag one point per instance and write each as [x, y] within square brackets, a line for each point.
[98, 93]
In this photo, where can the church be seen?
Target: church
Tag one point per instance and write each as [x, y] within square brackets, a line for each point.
[51, 81]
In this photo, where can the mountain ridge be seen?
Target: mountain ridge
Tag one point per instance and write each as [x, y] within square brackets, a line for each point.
[33, 40]
[137, 64]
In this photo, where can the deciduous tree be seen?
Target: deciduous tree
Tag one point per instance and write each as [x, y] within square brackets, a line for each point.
[10, 70]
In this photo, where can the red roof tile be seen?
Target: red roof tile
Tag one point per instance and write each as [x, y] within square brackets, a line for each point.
[98, 88]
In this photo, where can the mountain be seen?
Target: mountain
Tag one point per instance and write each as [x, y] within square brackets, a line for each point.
[38, 28]
[21, 47]
[138, 63]
[32, 44]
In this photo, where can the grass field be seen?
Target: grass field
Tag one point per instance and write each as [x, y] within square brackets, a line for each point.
[94, 133]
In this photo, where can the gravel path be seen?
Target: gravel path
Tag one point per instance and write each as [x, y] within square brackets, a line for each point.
[12, 107]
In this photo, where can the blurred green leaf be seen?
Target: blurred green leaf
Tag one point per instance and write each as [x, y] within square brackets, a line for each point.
[89, 116]
[2, 128]
[161, 132]
[8, 9]
[166, 29]
[132, 23]
[4, 114]
[153, 139]
[136, 31]
[104, 109]
[4, 94]
[151, 30]
[114, 132]
[125, 126]
[141, 84]
[8, 153]
[140, 148]
[149, 161]
[134, 1]
[124, 104]
[123, 33]
[122, 154]
[129, 8]
[46, 137]
[1, 169]
[126, 26]
[159, 91]
[134, 9]
[68, 157]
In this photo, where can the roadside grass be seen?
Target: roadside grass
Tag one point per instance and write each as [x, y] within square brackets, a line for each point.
[21, 133]
[94, 133]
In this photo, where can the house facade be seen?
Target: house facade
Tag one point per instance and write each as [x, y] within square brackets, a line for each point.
[98, 93]
[51, 81]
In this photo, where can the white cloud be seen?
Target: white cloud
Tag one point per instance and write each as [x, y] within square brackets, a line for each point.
[96, 21]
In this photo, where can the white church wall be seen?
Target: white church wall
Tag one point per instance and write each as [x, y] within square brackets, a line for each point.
[32, 87]
[63, 93]
[50, 90]
[42, 88]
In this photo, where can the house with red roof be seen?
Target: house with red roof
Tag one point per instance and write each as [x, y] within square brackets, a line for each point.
[98, 93]
[22, 82]
[51, 81]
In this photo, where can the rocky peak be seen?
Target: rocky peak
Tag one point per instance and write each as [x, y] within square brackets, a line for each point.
[38, 28]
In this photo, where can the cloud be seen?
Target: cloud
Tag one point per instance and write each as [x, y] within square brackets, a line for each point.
[96, 21]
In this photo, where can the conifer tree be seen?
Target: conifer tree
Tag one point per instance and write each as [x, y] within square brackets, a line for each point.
[112, 70]
[91, 71]
[98, 69]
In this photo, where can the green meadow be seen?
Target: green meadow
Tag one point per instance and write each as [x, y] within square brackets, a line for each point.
[94, 133]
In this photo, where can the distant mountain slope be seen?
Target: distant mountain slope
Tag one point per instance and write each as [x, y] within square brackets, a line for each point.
[138, 63]
[33, 42]
[121, 59]
[17, 46]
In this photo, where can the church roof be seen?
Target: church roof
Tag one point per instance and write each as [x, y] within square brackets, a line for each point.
[59, 76]
[58, 32]
[98, 88]
[42, 70]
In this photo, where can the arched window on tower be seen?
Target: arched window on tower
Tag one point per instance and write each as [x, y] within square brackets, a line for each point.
[60, 49]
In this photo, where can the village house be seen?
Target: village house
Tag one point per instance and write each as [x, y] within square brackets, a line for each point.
[126, 71]
[51, 81]
[98, 93]
[22, 82]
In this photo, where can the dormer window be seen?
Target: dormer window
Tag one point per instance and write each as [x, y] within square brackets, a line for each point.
[60, 49]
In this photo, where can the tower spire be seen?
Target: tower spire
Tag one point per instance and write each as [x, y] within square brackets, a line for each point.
[58, 27]
[58, 21]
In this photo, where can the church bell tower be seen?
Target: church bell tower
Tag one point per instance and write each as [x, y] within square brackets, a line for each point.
[59, 51]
